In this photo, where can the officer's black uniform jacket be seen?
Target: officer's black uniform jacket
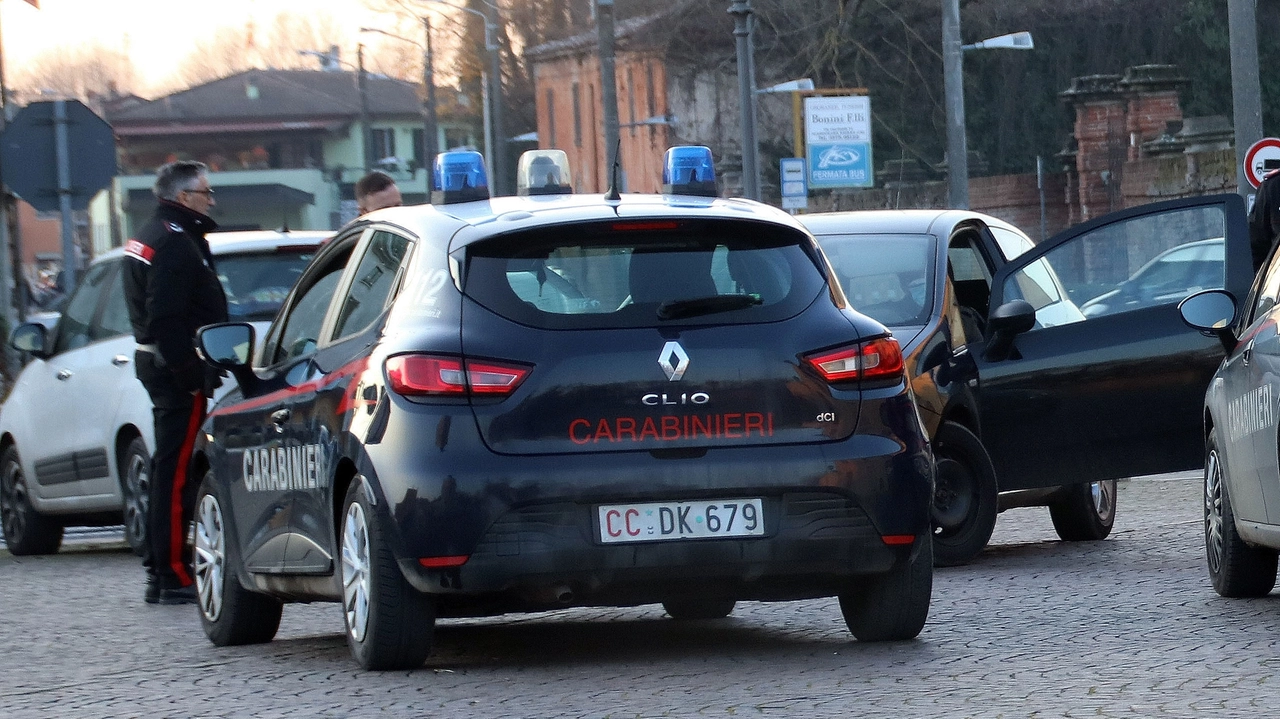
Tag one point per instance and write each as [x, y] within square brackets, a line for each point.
[172, 289]
[1264, 218]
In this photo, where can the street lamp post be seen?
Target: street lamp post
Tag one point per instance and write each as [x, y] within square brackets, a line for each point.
[741, 12]
[1246, 87]
[428, 96]
[493, 106]
[608, 84]
[366, 132]
[953, 84]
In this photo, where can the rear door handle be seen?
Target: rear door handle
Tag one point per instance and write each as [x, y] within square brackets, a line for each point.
[1247, 354]
[119, 360]
[64, 374]
[280, 416]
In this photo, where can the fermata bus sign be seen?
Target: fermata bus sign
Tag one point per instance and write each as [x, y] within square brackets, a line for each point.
[837, 134]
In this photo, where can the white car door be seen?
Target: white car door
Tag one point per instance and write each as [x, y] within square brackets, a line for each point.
[64, 398]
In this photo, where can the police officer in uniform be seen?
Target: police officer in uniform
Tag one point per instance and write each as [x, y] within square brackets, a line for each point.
[1264, 218]
[172, 289]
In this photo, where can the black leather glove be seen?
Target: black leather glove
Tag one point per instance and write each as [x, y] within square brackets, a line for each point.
[212, 380]
[190, 376]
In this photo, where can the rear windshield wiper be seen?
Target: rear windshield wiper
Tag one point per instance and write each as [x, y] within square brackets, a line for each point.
[679, 309]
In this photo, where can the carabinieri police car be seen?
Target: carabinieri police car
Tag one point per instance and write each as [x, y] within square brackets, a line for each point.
[524, 403]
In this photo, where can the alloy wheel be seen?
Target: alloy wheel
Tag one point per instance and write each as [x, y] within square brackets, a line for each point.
[210, 557]
[1213, 510]
[355, 571]
[138, 481]
[13, 497]
[1104, 498]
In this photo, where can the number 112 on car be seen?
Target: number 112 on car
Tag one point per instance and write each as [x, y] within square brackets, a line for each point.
[711, 519]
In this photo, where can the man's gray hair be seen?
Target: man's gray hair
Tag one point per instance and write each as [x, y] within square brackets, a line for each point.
[175, 177]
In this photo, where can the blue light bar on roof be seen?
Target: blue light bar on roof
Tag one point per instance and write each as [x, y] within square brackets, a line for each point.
[458, 176]
[689, 170]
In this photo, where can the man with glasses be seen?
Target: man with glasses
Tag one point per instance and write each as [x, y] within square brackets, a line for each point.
[172, 289]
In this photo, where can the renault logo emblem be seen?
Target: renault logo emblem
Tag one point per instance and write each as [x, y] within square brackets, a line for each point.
[673, 360]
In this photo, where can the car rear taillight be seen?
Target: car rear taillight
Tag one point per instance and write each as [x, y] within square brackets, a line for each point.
[875, 359]
[440, 376]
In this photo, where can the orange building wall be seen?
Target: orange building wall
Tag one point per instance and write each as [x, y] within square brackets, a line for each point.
[642, 147]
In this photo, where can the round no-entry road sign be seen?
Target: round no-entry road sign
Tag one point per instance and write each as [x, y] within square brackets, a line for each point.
[1263, 157]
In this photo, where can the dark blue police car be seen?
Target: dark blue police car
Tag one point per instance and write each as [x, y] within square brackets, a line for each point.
[524, 403]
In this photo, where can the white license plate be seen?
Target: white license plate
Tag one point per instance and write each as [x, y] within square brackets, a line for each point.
[707, 519]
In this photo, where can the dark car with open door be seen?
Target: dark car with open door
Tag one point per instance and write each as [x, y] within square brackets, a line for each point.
[1028, 399]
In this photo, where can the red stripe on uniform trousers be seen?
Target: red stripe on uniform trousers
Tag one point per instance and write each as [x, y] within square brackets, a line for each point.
[177, 535]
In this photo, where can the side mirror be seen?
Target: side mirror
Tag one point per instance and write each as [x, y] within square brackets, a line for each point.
[1007, 321]
[30, 337]
[1212, 312]
[228, 346]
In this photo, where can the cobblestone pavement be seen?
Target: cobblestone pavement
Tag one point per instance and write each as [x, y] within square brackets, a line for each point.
[1034, 628]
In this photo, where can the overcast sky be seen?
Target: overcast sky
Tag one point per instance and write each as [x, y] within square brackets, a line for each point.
[156, 33]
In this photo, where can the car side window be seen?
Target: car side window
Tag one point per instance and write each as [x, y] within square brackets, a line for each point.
[970, 277]
[1123, 266]
[372, 282]
[73, 326]
[301, 331]
[114, 321]
[1270, 289]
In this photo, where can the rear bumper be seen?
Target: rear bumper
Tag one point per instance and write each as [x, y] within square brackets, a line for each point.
[548, 555]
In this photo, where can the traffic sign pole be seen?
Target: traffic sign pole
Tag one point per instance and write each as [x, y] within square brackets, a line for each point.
[70, 268]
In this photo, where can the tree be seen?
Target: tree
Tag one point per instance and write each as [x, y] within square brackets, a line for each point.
[82, 72]
[277, 46]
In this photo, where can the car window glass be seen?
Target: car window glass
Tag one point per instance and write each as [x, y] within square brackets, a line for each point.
[1124, 266]
[885, 276]
[73, 326]
[601, 276]
[1270, 289]
[257, 283]
[1012, 244]
[971, 281]
[302, 328]
[115, 313]
[372, 282]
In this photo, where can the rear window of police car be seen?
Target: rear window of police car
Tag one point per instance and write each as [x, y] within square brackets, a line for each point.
[641, 273]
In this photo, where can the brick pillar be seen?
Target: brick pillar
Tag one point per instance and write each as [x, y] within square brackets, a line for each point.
[1101, 139]
[1151, 92]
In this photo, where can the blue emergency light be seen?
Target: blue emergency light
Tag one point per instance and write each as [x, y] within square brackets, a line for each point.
[543, 172]
[689, 170]
[458, 176]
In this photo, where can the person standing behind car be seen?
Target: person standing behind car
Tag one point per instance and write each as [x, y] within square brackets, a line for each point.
[375, 191]
[1264, 218]
[172, 289]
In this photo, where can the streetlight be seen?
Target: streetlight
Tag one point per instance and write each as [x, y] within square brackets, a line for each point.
[429, 131]
[493, 107]
[741, 12]
[953, 76]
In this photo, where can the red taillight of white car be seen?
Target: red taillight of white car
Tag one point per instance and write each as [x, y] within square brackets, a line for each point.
[419, 375]
[875, 359]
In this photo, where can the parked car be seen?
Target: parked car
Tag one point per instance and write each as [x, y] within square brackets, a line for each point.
[1170, 277]
[1028, 399]
[76, 432]
[1241, 469]
[529, 403]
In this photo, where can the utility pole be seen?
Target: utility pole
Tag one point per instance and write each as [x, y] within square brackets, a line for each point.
[499, 148]
[430, 146]
[366, 133]
[953, 82]
[1246, 89]
[608, 82]
[741, 12]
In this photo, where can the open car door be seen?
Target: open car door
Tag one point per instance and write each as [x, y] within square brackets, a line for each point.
[1109, 382]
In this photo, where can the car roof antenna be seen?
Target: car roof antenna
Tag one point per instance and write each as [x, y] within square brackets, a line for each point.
[614, 174]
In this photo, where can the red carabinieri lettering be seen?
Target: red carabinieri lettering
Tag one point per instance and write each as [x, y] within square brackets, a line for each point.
[671, 428]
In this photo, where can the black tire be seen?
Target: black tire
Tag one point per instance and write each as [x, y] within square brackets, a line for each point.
[892, 606]
[965, 497]
[230, 614]
[135, 485]
[1235, 568]
[26, 531]
[389, 624]
[1085, 512]
[688, 609]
